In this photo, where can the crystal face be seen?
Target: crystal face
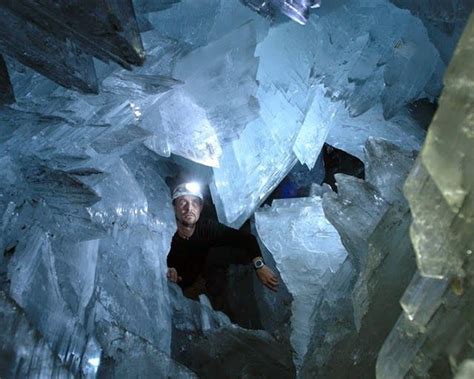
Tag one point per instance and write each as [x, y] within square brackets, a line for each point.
[372, 218]
[307, 250]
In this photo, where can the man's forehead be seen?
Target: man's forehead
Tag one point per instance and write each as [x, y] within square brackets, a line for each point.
[188, 198]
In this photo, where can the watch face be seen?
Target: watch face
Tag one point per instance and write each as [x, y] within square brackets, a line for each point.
[258, 264]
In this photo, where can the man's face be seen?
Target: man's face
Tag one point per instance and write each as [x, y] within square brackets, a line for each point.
[188, 209]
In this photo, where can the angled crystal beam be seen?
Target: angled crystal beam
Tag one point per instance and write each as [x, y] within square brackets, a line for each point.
[106, 29]
[59, 60]
[436, 325]
[445, 172]
[6, 90]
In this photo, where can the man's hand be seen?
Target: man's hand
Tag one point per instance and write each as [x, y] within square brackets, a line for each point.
[268, 278]
[172, 275]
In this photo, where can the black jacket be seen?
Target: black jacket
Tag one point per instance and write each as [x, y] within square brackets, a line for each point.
[189, 257]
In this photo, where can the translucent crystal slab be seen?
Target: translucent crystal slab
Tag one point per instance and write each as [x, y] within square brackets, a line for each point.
[132, 106]
[401, 130]
[466, 370]
[105, 29]
[387, 165]
[224, 70]
[437, 157]
[382, 281]
[24, 352]
[64, 63]
[304, 246]
[386, 67]
[444, 22]
[422, 297]
[400, 347]
[75, 201]
[315, 128]
[355, 200]
[196, 126]
[262, 156]
[331, 321]
[36, 260]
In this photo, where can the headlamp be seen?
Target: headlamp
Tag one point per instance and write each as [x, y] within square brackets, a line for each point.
[193, 187]
[190, 188]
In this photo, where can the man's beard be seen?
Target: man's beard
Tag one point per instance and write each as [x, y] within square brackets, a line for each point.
[186, 223]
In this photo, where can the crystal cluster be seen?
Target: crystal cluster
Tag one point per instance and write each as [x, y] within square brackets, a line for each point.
[87, 146]
[315, 87]
[292, 88]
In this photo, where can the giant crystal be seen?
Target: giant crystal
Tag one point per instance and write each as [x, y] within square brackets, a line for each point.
[359, 303]
[307, 250]
[432, 336]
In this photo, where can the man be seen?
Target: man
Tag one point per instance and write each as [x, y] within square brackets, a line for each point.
[195, 263]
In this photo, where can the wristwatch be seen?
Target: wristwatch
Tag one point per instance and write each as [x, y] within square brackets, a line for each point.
[258, 263]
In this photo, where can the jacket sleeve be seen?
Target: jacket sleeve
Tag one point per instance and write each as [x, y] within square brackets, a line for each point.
[221, 235]
[172, 258]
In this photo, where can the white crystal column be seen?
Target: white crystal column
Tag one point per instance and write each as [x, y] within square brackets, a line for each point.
[305, 247]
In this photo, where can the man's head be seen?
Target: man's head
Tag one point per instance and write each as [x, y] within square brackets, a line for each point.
[187, 202]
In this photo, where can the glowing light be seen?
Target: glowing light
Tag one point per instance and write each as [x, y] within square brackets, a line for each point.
[95, 362]
[193, 187]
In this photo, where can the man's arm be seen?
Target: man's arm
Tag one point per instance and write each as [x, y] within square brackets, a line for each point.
[172, 263]
[172, 275]
[222, 235]
[266, 276]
